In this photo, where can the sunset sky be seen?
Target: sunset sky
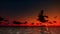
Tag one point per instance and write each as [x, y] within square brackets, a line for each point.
[28, 10]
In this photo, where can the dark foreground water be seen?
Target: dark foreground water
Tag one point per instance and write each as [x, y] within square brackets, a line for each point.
[29, 30]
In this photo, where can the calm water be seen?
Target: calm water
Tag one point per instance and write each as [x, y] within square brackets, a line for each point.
[29, 30]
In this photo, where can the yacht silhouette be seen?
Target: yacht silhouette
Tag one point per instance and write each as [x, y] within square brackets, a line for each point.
[41, 17]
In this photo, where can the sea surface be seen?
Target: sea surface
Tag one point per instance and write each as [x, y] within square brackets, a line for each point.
[29, 30]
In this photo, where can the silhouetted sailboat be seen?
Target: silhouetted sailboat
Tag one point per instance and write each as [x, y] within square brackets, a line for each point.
[44, 29]
[41, 17]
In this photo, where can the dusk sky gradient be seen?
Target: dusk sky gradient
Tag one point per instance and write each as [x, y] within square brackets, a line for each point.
[28, 10]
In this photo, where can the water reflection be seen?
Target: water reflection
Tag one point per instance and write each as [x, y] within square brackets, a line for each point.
[28, 30]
